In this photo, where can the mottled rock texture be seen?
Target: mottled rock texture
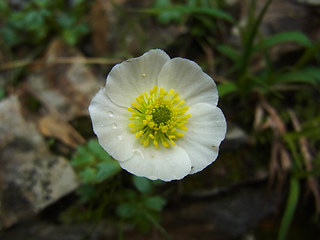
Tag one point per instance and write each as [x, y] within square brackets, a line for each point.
[31, 177]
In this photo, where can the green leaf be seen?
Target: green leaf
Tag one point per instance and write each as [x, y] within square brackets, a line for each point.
[309, 53]
[142, 184]
[168, 12]
[307, 75]
[10, 36]
[94, 163]
[107, 169]
[165, 12]
[33, 20]
[82, 161]
[162, 3]
[3, 7]
[71, 35]
[297, 37]
[229, 52]
[2, 93]
[87, 192]
[290, 208]
[155, 203]
[125, 210]
[306, 174]
[226, 88]
[78, 2]
[82, 150]
[65, 21]
[95, 148]
[42, 3]
[88, 175]
[213, 12]
[312, 73]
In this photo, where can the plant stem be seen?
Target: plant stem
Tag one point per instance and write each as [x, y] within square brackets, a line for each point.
[290, 208]
[248, 43]
[158, 227]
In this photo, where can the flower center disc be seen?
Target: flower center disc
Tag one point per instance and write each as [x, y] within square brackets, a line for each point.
[161, 115]
[158, 116]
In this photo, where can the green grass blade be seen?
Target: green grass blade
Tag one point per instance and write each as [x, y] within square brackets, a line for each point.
[290, 208]
[309, 75]
[214, 12]
[226, 88]
[296, 37]
[229, 52]
[248, 45]
[309, 53]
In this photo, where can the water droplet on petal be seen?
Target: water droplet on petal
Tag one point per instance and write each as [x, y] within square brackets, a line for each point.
[114, 126]
[138, 152]
[120, 138]
[110, 114]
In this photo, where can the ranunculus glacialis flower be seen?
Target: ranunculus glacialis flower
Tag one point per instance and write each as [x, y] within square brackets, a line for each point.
[159, 117]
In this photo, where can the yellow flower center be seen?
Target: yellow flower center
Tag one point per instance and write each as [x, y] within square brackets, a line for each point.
[158, 117]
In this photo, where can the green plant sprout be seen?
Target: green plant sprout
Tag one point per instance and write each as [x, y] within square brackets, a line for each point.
[105, 194]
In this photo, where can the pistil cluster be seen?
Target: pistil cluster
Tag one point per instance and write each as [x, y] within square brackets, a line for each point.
[158, 117]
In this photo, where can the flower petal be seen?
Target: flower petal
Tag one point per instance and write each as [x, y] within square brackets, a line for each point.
[187, 78]
[133, 77]
[206, 130]
[110, 124]
[164, 163]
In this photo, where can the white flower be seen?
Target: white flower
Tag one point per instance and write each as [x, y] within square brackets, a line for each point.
[159, 117]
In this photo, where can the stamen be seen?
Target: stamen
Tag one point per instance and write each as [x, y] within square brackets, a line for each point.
[157, 116]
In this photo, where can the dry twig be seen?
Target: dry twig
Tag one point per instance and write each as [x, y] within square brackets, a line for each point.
[303, 143]
[280, 158]
[65, 60]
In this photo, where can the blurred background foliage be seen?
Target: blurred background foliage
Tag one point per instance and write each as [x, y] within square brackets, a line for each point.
[267, 89]
[34, 22]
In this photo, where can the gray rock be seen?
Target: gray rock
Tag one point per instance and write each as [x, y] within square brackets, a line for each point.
[309, 2]
[235, 138]
[227, 215]
[31, 177]
[35, 229]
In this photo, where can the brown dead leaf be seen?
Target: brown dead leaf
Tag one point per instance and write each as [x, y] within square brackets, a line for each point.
[258, 117]
[280, 158]
[278, 124]
[64, 88]
[51, 126]
[312, 182]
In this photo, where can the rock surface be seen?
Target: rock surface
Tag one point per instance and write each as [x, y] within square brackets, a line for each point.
[223, 216]
[31, 177]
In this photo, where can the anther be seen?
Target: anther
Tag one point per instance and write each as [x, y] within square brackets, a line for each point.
[157, 116]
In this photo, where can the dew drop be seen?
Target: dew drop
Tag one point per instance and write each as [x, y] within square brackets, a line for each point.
[110, 114]
[144, 75]
[138, 151]
[120, 138]
[114, 126]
